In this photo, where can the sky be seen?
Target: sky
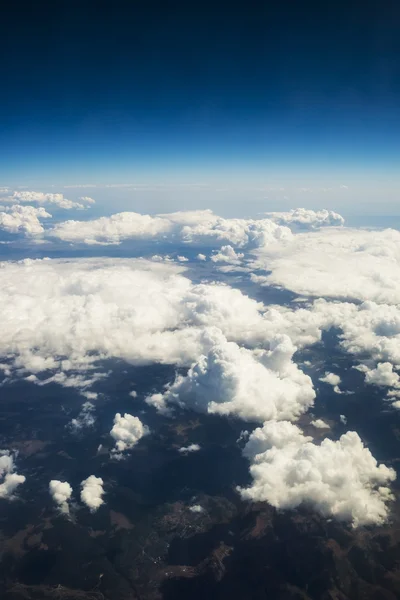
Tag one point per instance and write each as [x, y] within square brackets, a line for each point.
[233, 96]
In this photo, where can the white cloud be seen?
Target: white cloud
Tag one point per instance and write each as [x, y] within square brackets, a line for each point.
[111, 230]
[251, 233]
[333, 380]
[340, 479]
[304, 219]
[227, 254]
[67, 314]
[45, 198]
[253, 385]
[343, 419]
[127, 431]
[9, 481]
[92, 492]
[189, 449]
[320, 424]
[87, 199]
[23, 219]
[61, 492]
[201, 257]
[190, 227]
[383, 375]
[338, 263]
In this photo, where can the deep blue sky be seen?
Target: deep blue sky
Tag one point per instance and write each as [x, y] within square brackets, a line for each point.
[115, 91]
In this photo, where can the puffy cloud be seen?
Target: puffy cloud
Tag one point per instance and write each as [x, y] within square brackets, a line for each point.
[190, 227]
[383, 374]
[46, 198]
[333, 380]
[61, 492]
[92, 492]
[337, 263]
[343, 419]
[87, 199]
[320, 424]
[127, 431]
[250, 233]
[111, 230]
[340, 479]
[201, 257]
[189, 449]
[227, 254]
[67, 314]
[253, 385]
[304, 219]
[58, 314]
[23, 219]
[10, 483]
[9, 480]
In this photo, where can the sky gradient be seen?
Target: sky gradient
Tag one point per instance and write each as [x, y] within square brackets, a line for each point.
[155, 92]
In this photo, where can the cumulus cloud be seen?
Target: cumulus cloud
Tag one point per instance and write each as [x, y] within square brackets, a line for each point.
[340, 479]
[67, 314]
[111, 230]
[337, 263]
[64, 315]
[201, 257]
[87, 200]
[227, 254]
[189, 449]
[304, 219]
[190, 227]
[9, 480]
[57, 314]
[250, 233]
[333, 380]
[23, 219]
[253, 385]
[57, 199]
[92, 492]
[383, 375]
[61, 492]
[320, 424]
[127, 431]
